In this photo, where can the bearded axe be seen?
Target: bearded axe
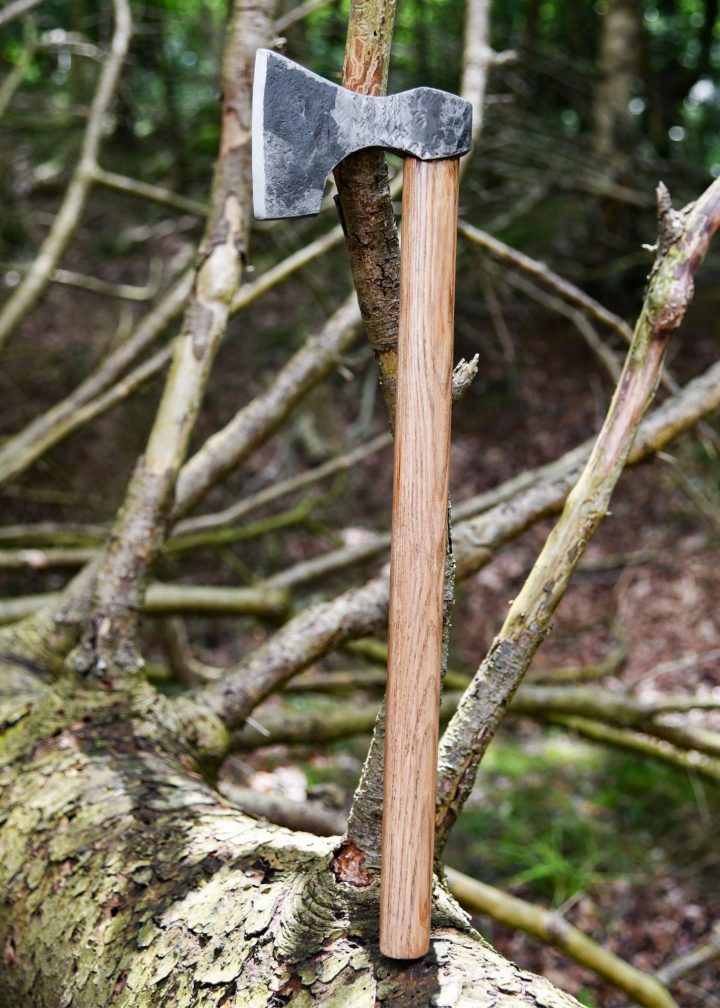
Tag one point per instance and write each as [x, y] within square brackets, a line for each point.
[303, 126]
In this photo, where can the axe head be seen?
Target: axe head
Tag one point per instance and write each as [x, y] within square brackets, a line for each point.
[304, 125]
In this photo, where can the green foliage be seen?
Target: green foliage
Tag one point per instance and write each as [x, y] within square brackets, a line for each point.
[557, 817]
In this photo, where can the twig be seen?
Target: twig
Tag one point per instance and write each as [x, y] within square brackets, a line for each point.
[148, 191]
[252, 289]
[308, 817]
[296, 515]
[30, 558]
[68, 217]
[275, 491]
[47, 430]
[604, 353]
[311, 634]
[96, 285]
[690, 961]
[542, 273]
[184, 666]
[552, 929]
[298, 13]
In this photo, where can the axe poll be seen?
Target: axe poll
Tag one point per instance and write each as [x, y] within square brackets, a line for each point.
[303, 126]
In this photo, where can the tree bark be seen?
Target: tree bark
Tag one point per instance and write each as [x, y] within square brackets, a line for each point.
[128, 881]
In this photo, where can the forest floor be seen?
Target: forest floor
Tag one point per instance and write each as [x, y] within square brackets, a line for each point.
[627, 849]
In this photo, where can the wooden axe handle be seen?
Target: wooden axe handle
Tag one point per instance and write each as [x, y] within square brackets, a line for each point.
[417, 559]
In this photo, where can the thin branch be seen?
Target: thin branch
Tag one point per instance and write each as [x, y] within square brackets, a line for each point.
[19, 452]
[16, 9]
[298, 13]
[684, 239]
[254, 424]
[552, 929]
[29, 558]
[96, 285]
[608, 358]
[688, 962]
[645, 745]
[251, 290]
[148, 191]
[542, 273]
[167, 599]
[308, 636]
[30, 289]
[28, 445]
[11, 83]
[308, 817]
[275, 491]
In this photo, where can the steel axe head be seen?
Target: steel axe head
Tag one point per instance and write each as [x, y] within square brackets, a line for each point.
[304, 125]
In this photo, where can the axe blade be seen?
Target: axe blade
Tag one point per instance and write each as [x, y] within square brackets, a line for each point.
[304, 125]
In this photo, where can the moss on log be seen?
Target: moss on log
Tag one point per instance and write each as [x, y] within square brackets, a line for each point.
[128, 881]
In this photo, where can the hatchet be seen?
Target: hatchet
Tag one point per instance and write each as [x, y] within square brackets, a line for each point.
[303, 126]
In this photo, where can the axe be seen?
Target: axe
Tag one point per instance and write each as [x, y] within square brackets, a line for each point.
[303, 126]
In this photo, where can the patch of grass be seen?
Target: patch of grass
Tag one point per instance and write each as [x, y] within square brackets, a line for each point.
[555, 817]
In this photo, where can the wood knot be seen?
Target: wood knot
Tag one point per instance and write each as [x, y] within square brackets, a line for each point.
[348, 865]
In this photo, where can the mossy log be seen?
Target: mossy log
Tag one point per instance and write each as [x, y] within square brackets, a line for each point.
[129, 881]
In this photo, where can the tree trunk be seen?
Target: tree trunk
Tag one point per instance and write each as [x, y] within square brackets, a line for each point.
[619, 60]
[129, 881]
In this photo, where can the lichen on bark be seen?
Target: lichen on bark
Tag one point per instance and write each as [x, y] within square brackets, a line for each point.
[128, 881]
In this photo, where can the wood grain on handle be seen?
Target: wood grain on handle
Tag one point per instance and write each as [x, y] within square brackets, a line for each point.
[417, 560]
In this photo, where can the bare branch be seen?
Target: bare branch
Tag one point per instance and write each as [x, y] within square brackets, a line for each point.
[308, 817]
[690, 961]
[549, 927]
[542, 273]
[275, 491]
[167, 599]
[257, 421]
[313, 633]
[282, 270]
[16, 9]
[298, 13]
[148, 191]
[47, 430]
[67, 220]
[669, 293]
[645, 745]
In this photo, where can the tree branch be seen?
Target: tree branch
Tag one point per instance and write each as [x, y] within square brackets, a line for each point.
[549, 927]
[684, 239]
[15, 9]
[256, 422]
